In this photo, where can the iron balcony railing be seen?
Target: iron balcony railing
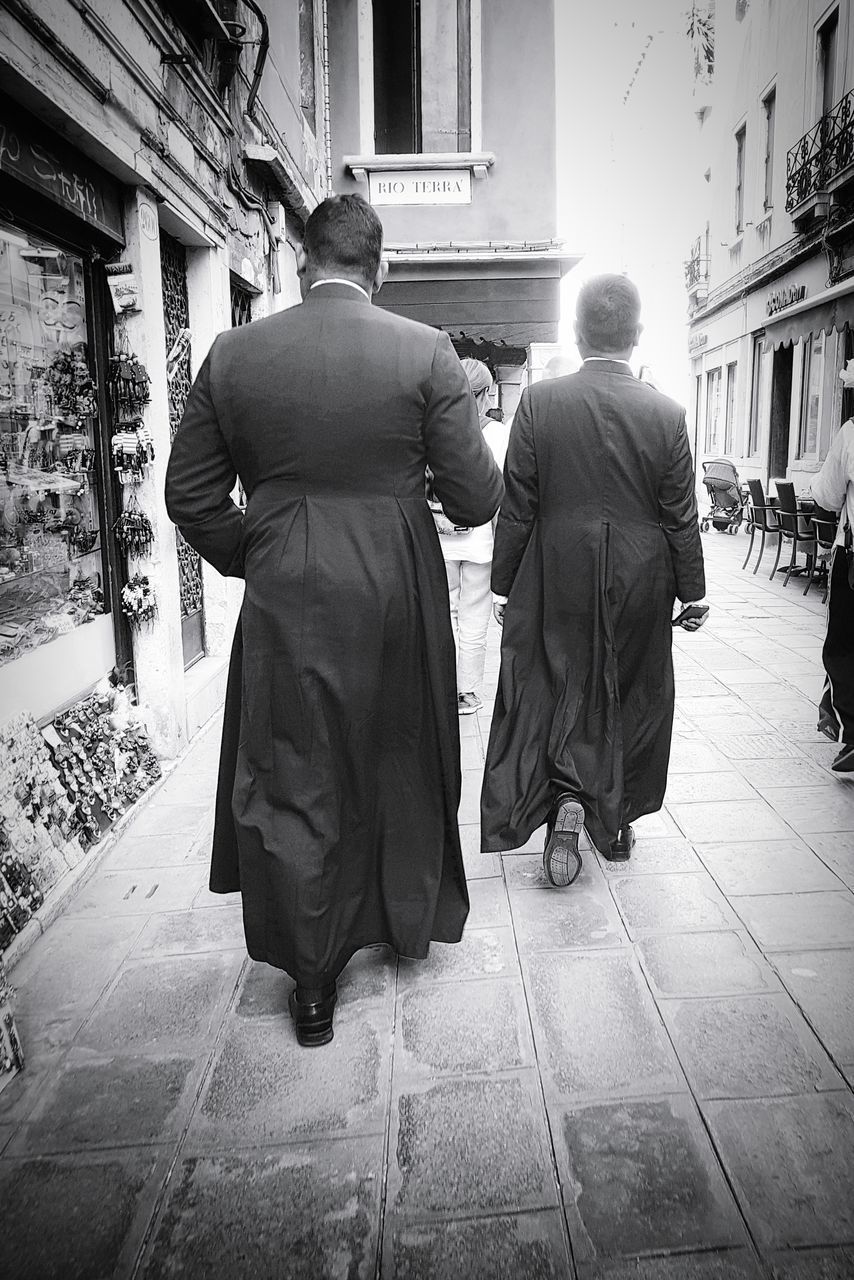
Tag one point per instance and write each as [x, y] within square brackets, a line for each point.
[822, 154]
[697, 266]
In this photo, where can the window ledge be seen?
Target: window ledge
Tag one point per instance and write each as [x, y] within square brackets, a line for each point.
[477, 162]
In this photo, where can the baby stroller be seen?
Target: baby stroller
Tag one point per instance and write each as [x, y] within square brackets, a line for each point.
[727, 497]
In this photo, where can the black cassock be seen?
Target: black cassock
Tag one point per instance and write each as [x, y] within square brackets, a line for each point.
[596, 537]
[339, 774]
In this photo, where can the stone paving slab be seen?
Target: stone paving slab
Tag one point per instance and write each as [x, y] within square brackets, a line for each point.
[524, 1245]
[175, 1001]
[768, 775]
[671, 904]
[747, 1047]
[139, 892]
[572, 998]
[822, 983]
[690, 965]
[642, 1175]
[482, 953]
[469, 1147]
[759, 867]
[476, 1026]
[730, 820]
[115, 1102]
[685, 788]
[265, 1089]
[836, 851]
[186, 932]
[826, 808]
[732, 1264]
[789, 922]
[672, 855]
[305, 1213]
[547, 919]
[69, 1218]
[814, 1264]
[791, 1164]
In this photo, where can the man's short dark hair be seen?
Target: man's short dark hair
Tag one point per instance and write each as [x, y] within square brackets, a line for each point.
[344, 233]
[608, 313]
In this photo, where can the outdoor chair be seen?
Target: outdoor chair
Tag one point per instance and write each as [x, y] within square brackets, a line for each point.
[795, 528]
[824, 526]
[762, 516]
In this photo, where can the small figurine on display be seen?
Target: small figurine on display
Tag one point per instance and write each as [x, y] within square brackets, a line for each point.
[133, 530]
[133, 450]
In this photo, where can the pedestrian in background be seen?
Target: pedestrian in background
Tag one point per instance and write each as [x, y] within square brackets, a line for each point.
[468, 560]
[339, 776]
[833, 489]
[596, 537]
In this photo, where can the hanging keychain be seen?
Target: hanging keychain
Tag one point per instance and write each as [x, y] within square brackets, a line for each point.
[133, 530]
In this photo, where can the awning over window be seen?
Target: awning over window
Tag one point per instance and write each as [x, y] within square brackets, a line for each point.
[833, 314]
[503, 303]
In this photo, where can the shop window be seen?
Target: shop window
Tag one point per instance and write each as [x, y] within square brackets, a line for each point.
[811, 395]
[50, 528]
[413, 113]
[713, 410]
[769, 107]
[755, 400]
[241, 305]
[729, 412]
[740, 143]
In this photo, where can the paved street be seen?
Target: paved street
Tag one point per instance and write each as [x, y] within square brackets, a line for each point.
[646, 1075]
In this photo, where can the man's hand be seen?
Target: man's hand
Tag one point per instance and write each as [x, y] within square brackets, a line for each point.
[693, 615]
[498, 611]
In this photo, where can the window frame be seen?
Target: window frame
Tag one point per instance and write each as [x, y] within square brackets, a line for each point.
[812, 389]
[730, 388]
[769, 108]
[740, 169]
[713, 409]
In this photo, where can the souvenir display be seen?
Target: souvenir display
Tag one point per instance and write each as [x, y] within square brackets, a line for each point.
[11, 1053]
[128, 382]
[132, 447]
[138, 601]
[133, 530]
[50, 554]
[104, 755]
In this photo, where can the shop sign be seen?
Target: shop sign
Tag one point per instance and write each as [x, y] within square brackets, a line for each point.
[124, 287]
[697, 340]
[50, 166]
[786, 297]
[420, 186]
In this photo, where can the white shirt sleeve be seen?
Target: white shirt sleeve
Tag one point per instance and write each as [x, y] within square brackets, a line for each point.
[830, 485]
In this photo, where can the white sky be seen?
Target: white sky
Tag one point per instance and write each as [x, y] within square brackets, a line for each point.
[629, 180]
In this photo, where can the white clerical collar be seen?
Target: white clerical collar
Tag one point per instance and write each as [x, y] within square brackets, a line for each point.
[334, 280]
[606, 360]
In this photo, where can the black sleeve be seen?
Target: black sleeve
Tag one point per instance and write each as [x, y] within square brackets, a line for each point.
[677, 506]
[199, 480]
[466, 479]
[521, 500]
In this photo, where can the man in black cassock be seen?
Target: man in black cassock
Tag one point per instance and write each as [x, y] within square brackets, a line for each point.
[339, 776]
[596, 537]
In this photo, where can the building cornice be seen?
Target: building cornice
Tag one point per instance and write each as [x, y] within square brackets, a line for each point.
[762, 272]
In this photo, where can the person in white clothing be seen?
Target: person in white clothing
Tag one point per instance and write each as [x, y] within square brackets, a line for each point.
[468, 562]
[833, 489]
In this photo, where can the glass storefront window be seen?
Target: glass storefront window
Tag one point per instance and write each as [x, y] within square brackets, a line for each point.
[50, 539]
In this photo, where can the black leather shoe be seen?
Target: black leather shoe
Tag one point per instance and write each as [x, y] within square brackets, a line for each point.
[844, 762]
[311, 1009]
[561, 859]
[621, 849]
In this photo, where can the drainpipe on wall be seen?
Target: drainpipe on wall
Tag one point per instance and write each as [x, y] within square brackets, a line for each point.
[327, 130]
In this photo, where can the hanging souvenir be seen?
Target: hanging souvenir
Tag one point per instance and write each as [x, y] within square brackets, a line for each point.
[133, 530]
[138, 602]
[70, 386]
[133, 450]
[127, 382]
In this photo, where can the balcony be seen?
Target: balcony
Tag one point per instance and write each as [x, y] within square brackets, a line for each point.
[821, 163]
[697, 272]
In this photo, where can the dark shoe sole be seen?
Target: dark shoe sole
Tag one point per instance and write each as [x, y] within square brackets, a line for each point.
[844, 762]
[561, 859]
[313, 1022]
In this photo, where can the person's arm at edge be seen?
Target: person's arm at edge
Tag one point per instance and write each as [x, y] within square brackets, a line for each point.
[466, 479]
[677, 506]
[519, 508]
[200, 478]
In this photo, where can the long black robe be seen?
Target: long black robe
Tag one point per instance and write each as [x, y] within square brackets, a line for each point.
[596, 537]
[339, 774]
